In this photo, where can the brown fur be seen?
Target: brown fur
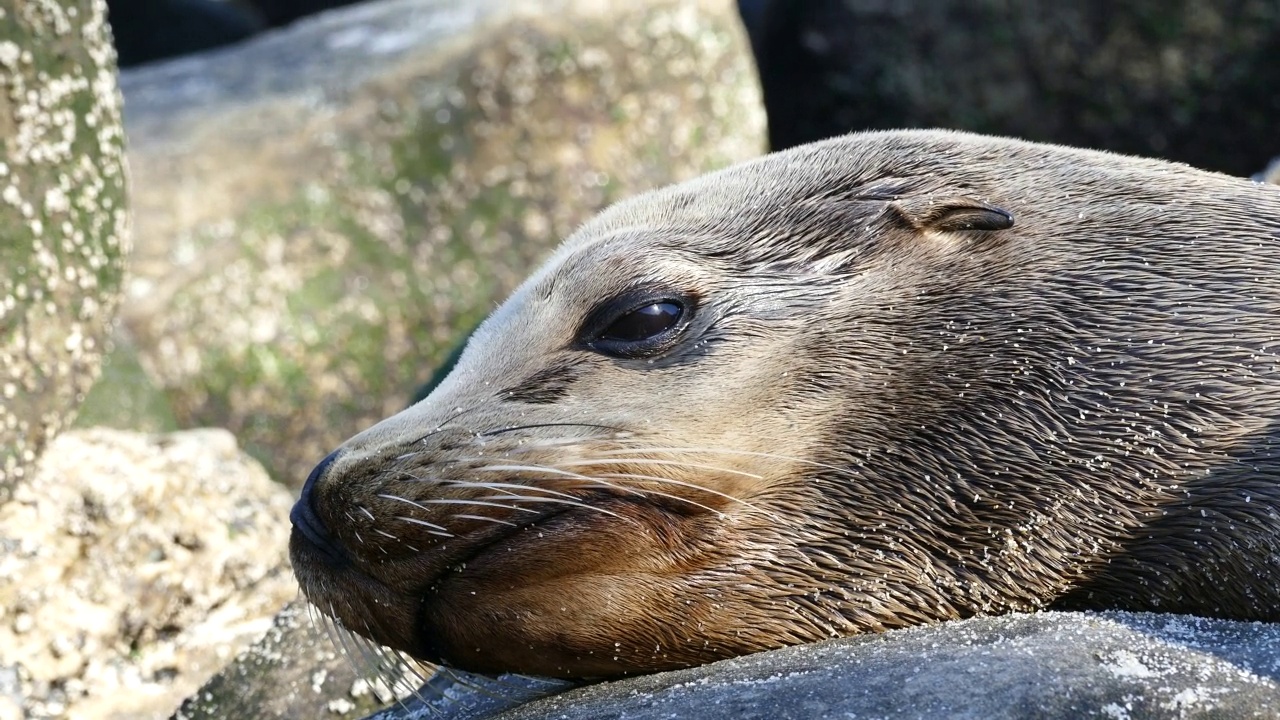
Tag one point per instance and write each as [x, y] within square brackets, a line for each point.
[889, 408]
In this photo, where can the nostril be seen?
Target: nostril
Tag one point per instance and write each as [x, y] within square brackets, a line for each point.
[306, 521]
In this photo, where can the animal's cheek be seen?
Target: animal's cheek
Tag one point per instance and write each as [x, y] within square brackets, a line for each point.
[585, 596]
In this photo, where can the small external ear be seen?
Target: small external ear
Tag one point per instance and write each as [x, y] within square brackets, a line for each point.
[951, 214]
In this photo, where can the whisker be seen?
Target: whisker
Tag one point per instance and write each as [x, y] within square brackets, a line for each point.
[482, 517]
[444, 424]
[669, 496]
[430, 526]
[532, 468]
[535, 426]
[421, 674]
[726, 451]
[453, 501]
[677, 463]
[684, 484]
[407, 501]
[561, 501]
[505, 486]
[694, 486]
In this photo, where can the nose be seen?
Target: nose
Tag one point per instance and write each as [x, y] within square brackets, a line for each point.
[307, 522]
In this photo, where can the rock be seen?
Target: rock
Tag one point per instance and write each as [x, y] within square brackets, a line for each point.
[1188, 80]
[294, 671]
[132, 567]
[150, 30]
[325, 210]
[1047, 665]
[62, 218]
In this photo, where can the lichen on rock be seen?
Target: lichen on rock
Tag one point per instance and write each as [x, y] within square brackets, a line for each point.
[63, 221]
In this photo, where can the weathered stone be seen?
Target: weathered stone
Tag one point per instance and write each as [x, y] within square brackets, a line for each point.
[1188, 80]
[132, 567]
[1049, 665]
[322, 212]
[294, 671]
[63, 225]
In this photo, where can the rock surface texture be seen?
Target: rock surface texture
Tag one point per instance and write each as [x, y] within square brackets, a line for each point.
[63, 224]
[1187, 80]
[1050, 665]
[131, 568]
[322, 212]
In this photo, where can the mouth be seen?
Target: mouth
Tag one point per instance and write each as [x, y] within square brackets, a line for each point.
[493, 597]
[391, 602]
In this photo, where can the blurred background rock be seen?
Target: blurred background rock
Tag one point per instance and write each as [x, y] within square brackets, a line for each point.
[1189, 80]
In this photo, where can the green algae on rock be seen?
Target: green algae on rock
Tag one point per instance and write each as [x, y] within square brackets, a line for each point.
[63, 221]
[323, 212]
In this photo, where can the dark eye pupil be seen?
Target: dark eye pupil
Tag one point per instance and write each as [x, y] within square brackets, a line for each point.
[645, 322]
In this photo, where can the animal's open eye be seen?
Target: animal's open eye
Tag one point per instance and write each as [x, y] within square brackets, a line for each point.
[632, 327]
[644, 322]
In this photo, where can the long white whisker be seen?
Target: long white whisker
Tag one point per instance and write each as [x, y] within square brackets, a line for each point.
[507, 486]
[651, 461]
[681, 483]
[430, 526]
[659, 493]
[561, 501]
[407, 501]
[694, 486]
[725, 451]
[452, 501]
[532, 468]
[489, 519]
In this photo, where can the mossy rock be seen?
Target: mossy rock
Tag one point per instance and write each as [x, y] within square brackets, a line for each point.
[63, 221]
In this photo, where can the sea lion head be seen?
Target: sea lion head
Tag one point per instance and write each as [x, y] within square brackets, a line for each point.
[872, 382]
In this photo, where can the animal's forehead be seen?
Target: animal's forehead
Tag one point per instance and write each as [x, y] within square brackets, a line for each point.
[611, 263]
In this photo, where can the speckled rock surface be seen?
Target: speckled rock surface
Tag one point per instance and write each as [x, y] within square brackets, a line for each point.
[322, 212]
[294, 671]
[1065, 666]
[63, 225]
[132, 567]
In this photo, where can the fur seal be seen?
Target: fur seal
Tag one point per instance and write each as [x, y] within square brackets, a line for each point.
[877, 381]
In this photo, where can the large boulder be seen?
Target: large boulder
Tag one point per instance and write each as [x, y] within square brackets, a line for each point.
[132, 568]
[63, 224]
[324, 211]
[1058, 666]
[1188, 80]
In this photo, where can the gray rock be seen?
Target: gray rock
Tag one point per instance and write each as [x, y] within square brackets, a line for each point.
[296, 671]
[63, 225]
[323, 212]
[1047, 665]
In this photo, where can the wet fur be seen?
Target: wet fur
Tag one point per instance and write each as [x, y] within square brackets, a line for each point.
[891, 408]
